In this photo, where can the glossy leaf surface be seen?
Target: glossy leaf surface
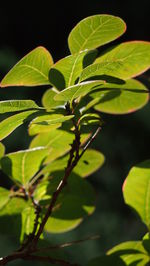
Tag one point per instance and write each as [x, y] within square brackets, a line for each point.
[17, 105]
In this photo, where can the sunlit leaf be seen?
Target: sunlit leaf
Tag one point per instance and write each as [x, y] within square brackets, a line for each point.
[2, 150]
[132, 253]
[65, 72]
[28, 218]
[95, 31]
[120, 98]
[90, 118]
[125, 61]
[78, 90]
[21, 166]
[31, 70]
[8, 125]
[90, 162]
[17, 105]
[45, 123]
[136, 190]
[48, 99]
[132, 59]
[4, 197]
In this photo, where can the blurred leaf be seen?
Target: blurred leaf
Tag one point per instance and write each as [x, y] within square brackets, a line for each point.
[21, 166]
[45, 123]
[106, 261]
[31, 70]
[95, 31]
[78, 90]
[65, 72]
[48, 99]
[8, 125]
[2, 150]
[132, 253]
[120, 98]
[74, 203]
[4, 197]
[17, 105]
[136, 190]
[125, 61]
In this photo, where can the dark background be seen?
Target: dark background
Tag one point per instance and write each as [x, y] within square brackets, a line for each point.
[124, 139]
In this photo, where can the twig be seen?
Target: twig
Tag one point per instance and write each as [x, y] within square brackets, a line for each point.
[67, 244]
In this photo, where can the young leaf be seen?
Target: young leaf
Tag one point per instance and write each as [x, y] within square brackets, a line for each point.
[48, 99]
[4, 197]
[74, 203]
[78, 90]
[8, 125]
[136, 190]
[48, 122]
[65, 72]
[17, 105]
[131, 252]
[21, 166]
[31, 70]
[120, 98]
[132, 59]
[95, 31]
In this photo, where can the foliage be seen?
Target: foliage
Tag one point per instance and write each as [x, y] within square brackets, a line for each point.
[49, 191]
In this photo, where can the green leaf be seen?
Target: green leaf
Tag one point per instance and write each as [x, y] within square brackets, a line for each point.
[95, 31]
[8, 125]
[78, 90]
[4, 197]
[90, 162]
[11, 215]
[125, 61]
[17, 105]
[28, 217]
[90, 118]
[106, 261]
[74, 203]
[132, 253]
[31, 70]
[48, 99]
[57, 141]
[120, 98]
[136, 190]
[65, 72]
[2, 150]
[45, 123]
[21, 166]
